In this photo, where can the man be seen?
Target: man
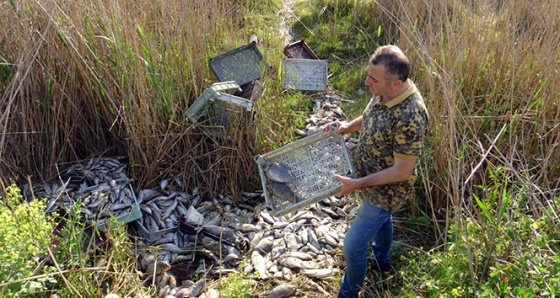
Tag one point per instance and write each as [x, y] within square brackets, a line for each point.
[392, 130]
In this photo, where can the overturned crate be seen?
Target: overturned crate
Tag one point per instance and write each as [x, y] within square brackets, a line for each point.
[242, 64]
[311, 163]
[219, 111]
[305, 74]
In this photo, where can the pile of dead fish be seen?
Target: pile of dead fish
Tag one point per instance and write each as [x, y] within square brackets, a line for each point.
[326, 110]
[183, 234]
[99, 187]
[276, 247]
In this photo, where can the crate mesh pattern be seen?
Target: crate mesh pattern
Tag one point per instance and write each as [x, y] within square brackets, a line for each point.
[305, 74]
[198, 108]
[227, 110]
[242, 64]
[312, 161]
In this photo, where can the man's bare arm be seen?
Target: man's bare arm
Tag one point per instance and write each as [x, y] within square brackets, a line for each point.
[401, 170]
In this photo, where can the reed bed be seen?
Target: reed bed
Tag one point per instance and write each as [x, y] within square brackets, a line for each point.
[489, 73]
[116, 78]
[488, 70]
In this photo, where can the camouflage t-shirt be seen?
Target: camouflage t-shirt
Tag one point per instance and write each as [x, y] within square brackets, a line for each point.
[396, 128]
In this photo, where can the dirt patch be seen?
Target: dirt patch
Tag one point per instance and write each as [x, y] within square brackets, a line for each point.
[287, 17]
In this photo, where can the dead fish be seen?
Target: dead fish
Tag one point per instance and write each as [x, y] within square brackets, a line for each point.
[220, 232]
[157, 267]
[267, 217]
[282, 191]
[300, 255]
[312, 238]
[282, 291]
[319, 273]
[290, 262]
[264, 246]
[197, 288]
[292, 242]
[279, 225]
[259, 263]
[245, 228]
[278, 173]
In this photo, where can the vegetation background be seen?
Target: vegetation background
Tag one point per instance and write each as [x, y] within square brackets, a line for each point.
[115, 78]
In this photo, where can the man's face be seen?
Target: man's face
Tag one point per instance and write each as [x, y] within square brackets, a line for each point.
[377, 80]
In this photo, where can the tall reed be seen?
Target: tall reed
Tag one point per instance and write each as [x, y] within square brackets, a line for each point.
[488, 70]
[116, 78]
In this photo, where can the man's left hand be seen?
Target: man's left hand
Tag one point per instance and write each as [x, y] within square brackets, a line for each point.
[348, 185]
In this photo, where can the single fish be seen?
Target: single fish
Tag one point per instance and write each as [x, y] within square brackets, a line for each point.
[283, 192]
[278, 173]
[281, 291]
[319, 273]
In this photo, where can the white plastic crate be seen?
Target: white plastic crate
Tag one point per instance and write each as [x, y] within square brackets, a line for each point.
[305, 74]
[312, 161]
[219, 111]
[228, 109]
[197, 109]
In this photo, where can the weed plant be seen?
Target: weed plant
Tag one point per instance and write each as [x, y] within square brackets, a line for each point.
[47, 254]
[236, 285]
[25, 235]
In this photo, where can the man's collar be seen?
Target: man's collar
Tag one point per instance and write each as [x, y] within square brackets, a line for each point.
[401, 97]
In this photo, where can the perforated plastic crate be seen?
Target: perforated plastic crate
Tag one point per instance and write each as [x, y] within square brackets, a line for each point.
[312, 161]
[219, 112]
[249, 91]
[152, 236]
[131, 215]
[299, 50]
[227, 109]
[198, 108]
[305, 74]
[242, 64]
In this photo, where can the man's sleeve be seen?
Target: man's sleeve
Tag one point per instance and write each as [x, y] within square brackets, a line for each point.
[409, 135]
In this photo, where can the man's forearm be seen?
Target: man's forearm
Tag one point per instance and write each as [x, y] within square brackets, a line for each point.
[351, 126]
[400, 171]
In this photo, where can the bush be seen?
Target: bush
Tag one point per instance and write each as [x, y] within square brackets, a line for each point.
[25, 235]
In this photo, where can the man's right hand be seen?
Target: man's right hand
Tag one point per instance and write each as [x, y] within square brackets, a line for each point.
[331, 126]
[339, 127]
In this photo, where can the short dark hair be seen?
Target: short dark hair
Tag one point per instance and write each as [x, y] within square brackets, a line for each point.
[395, 61]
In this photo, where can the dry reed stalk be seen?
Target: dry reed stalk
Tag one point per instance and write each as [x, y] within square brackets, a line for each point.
[472, 71]
[118, 75]
[474, 43]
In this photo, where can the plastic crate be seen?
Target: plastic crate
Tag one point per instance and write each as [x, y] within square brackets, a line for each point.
[152, 236]
[299, 50]
[206, 98]
[242, 64]
[219, 112]
[312, 161]
[123, 218]
[305, 74]
[249, 91]
[226, 110]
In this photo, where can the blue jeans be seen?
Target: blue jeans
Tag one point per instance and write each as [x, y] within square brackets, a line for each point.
[371, 224]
